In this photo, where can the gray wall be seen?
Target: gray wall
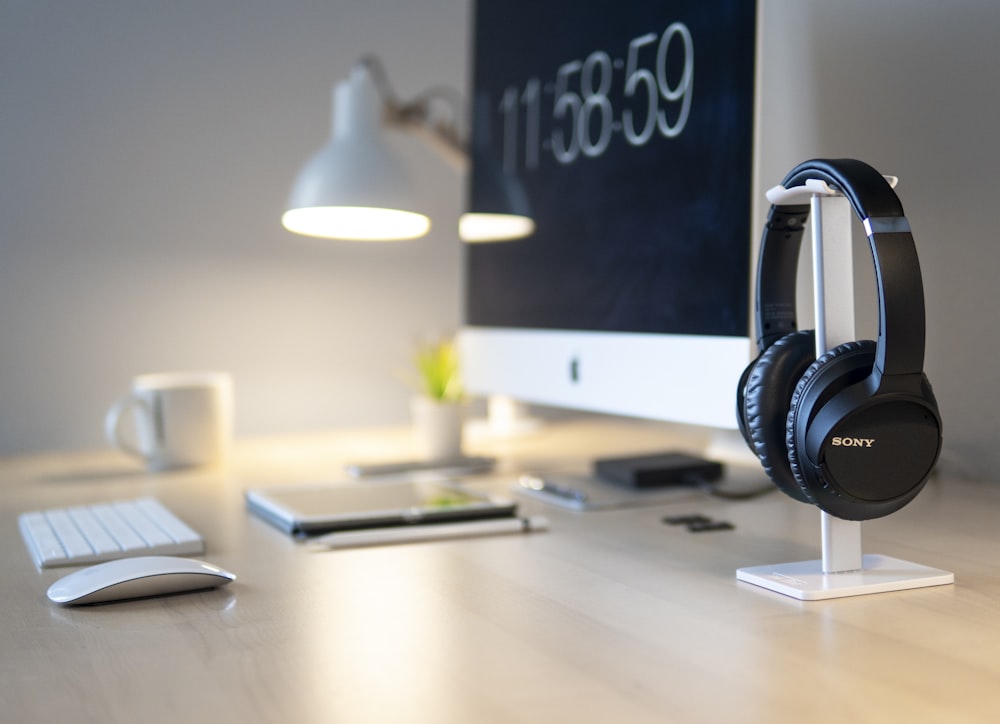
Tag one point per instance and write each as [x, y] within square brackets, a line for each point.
[911, 87]
[146, 150]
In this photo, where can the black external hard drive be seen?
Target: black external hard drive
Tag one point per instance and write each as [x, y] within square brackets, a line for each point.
[658, 470]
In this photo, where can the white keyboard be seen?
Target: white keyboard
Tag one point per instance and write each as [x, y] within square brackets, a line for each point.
[105, 531]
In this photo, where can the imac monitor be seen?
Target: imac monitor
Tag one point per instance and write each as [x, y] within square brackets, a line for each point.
[628, 129]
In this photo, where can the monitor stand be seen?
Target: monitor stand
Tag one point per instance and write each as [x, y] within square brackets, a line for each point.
[505, 418]
[843, 570]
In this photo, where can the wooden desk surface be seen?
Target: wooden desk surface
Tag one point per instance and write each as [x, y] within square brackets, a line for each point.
[609, 617]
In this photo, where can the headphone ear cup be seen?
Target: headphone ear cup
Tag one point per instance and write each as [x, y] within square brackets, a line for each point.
[770, 383]
[837, 368]
[859, 448]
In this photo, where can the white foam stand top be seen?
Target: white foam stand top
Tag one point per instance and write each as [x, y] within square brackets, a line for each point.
[843, 570]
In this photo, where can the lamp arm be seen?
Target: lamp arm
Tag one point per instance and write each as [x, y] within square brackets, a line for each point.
[415, 115]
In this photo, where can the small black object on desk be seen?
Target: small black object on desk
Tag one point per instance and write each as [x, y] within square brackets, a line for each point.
[658, 470]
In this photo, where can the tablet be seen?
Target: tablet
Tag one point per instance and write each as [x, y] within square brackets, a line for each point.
[323, 508]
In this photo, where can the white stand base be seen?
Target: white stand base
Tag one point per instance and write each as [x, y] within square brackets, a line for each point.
[806, 581]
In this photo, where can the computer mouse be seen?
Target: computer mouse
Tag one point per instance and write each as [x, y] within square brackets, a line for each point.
[137, 577]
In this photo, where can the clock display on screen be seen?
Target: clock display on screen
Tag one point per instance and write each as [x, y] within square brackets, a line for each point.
[629, 127]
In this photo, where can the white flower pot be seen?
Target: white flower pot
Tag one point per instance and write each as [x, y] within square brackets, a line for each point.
[438, 427]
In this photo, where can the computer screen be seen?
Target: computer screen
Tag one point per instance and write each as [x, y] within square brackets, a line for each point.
[628, 128]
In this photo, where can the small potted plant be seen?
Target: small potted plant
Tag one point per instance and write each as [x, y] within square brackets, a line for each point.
[438, 408]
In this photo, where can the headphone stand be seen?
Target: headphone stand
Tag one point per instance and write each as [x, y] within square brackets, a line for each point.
[843, 570]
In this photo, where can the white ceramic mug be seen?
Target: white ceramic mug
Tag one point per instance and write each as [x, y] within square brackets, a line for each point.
[180, 419]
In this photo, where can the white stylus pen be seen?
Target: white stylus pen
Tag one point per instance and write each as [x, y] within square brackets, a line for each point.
[429, 531]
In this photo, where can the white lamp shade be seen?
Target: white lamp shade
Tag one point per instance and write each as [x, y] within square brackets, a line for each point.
[498, 206]
[354, 187]
[477, 227]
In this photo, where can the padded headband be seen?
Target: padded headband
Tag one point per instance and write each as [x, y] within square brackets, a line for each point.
[897, 270]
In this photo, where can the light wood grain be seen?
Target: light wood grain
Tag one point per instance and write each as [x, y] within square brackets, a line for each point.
[609, 617]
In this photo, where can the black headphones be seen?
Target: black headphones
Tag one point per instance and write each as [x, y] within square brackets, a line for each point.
[856, 432]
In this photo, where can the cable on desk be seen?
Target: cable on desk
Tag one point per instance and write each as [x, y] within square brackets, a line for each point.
[714, 490]
[710, 487]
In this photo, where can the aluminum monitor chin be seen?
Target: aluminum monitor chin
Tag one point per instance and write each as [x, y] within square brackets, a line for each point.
[629, 128]
[610, 372]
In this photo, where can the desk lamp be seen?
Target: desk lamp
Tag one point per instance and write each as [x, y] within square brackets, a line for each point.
[355, 188]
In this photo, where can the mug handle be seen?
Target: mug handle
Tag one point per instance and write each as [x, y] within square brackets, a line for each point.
[113, 424]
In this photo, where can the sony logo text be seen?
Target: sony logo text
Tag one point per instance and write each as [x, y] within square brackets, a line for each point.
[853, 441]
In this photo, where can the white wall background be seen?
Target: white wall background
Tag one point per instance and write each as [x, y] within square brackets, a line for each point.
[146, 150]
[910, 86]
